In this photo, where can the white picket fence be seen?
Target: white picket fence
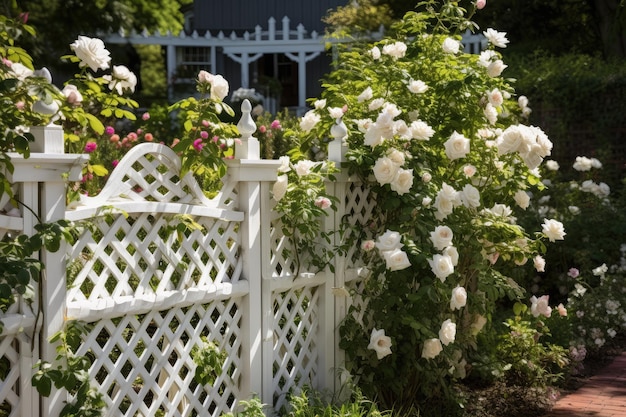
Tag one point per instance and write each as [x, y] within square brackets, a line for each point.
[151, 293]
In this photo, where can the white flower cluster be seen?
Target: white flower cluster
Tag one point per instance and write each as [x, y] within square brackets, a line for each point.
[530, 142]
[585, 164]
[390, 245]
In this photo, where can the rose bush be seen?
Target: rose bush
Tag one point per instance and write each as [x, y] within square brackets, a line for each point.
[438, 136]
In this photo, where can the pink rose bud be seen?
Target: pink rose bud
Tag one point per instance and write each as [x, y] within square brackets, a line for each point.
[109, 130]
[148, 137]
[198, 145]
[145, 116]
[262, 129]
[90, 147]
[480, 4]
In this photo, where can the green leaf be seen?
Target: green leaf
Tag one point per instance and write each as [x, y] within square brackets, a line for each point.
[99, 170]
[95, 123]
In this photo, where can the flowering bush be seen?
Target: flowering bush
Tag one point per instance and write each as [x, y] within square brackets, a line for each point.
[438, 136]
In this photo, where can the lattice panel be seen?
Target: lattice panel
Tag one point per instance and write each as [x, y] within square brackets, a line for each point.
[143, 363]
[9, 377]
[282, 255]
[359, 208]
[144, 253]
[295, 348]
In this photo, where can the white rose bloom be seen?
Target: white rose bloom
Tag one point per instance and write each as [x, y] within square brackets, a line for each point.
[441, 237]
[553, 229]
[540, 306]
[539, 263]
[470, 196]
[522, 199]
[420, 130]
[74, 96]
[426, 201]
[389, 241]
[458, 299]
[401, 129]
[432, 348]
[284, 164]
[309, 120]
[582, 164]
[451, 46]
[453, 253]
[491, 113]
[375, 53]
[319, 104]
[204, 77]
[447, 332]
[501, 210]
[573, 210]
[396, 260]
[603, 190]
[121, 79]
[403, 181]
[366, 95]
[376, 104]
[496, 38]
[335, 112]
[595, 163]
[396, 156]
[458, 146]
[446, 200]
[219, 88]
[395, 50]
[374, 135]
[511, 140]
[486, 57]
[380, 343]
[363, 124]
[552, 165]
[441, 265]
[303, 167]
[385, 170]
[522, 102]
[417, 86]
[280, 187]
[91, 52]
[495, 97]
[495, 68]
[20, 71]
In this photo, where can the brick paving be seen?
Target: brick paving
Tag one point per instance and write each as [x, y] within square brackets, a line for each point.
[602, 395]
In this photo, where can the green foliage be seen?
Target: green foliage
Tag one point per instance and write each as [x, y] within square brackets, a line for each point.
[302, 200]
[273, 133]
[525, 357]
[209, 360]
[70, 372]
[576, 98]
[309, 403]
[251, 408]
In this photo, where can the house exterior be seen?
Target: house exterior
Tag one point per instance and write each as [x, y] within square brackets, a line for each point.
[276, 47]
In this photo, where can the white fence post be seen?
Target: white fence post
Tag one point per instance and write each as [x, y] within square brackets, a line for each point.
[51, 168]
[249, 200]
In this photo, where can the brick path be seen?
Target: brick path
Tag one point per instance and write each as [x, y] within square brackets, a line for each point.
[603, 395]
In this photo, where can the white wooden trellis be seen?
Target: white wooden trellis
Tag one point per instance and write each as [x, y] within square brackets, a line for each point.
[150, 294]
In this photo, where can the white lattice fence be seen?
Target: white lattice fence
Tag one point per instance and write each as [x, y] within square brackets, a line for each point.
[16, 344]
[157, 269]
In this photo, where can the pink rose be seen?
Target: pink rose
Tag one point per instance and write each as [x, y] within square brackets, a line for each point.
[90, 147]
